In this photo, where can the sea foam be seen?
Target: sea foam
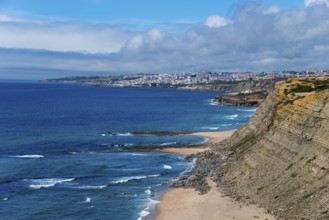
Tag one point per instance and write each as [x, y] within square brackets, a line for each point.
[127, 179]
[150, 206]
[92, 187]
[88, 199]
[45, 183]
[32, 156]
[247, 110]
[232, 116]
[168, 144]
[167, 167]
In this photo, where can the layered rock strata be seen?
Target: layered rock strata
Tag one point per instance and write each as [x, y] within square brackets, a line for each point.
[280, 158]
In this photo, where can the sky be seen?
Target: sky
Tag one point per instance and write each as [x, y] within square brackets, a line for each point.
[57, 38]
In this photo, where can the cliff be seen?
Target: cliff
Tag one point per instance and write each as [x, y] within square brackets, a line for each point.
[240, 99]
[280, 158]
[235, 86]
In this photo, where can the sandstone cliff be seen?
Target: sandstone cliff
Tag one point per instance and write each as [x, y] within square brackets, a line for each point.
[280, 158]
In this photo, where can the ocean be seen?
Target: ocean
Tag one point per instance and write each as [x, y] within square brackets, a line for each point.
[61, 151]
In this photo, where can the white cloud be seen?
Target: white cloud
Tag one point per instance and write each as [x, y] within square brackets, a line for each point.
[258, 38]
[273, 9]
[215, 21]
[315, 2]
[60, 36]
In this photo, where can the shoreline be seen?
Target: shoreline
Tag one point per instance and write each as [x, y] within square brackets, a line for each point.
[182, 203]
[211, 137]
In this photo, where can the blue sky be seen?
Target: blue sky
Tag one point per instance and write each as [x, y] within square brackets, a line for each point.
[131, 10]
[55, 38]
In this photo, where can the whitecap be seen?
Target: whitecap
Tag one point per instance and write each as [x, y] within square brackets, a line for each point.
[127, 179]
[87, 200]
[143, 214]
[5, 199]
[212, 102]
[124, 134]
[150, 206]
[148, 191]
[247, 110]
[205, 140]
[138, 154]
[210, 128]
[169, 143]
[155, 175]
[232, 116]
[225, 125]
[167, 167]
[32, 156]
[92, 187]
[45, 183]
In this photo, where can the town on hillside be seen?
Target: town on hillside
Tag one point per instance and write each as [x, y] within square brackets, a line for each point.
[185, 79]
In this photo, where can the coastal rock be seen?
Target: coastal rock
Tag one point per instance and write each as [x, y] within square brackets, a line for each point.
[240, 99]
[279, 159]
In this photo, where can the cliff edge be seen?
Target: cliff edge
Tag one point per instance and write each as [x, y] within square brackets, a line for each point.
[280, 158]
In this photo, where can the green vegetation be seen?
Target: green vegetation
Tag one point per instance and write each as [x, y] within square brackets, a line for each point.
[310, 160]
[325, 212]
[323, 187]
[302, 88]
[293, 175]
[289, 166]
[310, 85]
[260, 188]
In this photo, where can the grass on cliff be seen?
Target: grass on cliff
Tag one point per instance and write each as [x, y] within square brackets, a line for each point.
[308, 85]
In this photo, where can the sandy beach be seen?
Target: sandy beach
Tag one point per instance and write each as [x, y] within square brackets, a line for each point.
[212, 136]
[187, 204]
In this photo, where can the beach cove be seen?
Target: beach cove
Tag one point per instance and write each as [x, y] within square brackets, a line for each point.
[182, 203]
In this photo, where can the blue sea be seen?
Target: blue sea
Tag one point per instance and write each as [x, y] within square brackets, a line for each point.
[61, 151]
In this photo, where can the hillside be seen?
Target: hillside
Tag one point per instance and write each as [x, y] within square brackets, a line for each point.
[280, 158]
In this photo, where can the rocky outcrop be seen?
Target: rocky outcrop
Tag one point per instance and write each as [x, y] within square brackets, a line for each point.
[235, 86]
[240, 99]
[280, 158]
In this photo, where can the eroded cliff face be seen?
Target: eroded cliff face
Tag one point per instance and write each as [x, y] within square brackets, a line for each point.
[280, 158]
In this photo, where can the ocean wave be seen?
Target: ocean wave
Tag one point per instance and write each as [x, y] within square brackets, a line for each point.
[148, 191]
[143, 214]
[212, 102]
[168, 144]
[167, 167]
[150, 206]
[225, 125]
[45, 183]
[92, 187]
[247, 110]
[210, 128]
[117, 134]
[232, 117]
[127, 179]
[31, 156]
[88, 200]
[138, 154]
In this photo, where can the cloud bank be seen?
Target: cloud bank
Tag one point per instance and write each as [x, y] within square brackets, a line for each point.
[257, 38]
